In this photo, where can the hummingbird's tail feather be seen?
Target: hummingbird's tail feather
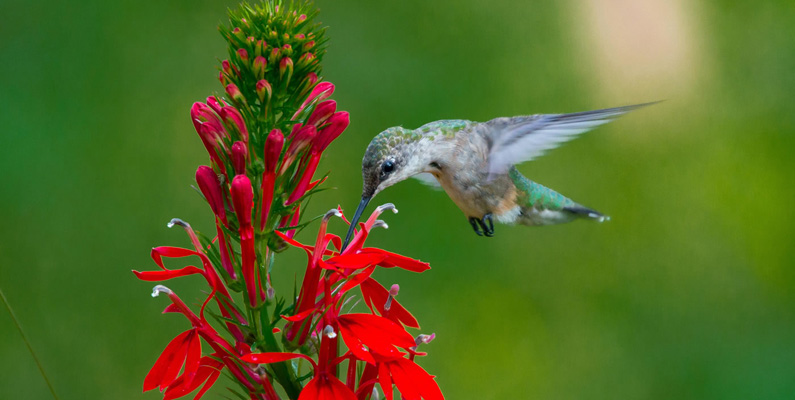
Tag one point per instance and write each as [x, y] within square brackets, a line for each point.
[585, 212]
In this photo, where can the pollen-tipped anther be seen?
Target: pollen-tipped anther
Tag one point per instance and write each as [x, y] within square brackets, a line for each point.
[329, 332]
[161, 289]
[332, 213]
[424, 339]
[177, 221]
[379, 223]
[388, 206]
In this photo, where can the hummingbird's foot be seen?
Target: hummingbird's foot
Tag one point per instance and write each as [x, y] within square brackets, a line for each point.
[487, 230]
[475, 225]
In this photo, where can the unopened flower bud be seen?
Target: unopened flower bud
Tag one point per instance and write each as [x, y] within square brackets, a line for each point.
[287, 50]
[234, 92]
[301, 18]
[258, 66]
[242, 199]
[232, 117]
[210, 187]
[260, 48]
[286, 70]
[239, 157]
[275, 54]
[305, 60]
[264, 91]
[300, 36]
[242, 54]
[308, 45]
[273, 149]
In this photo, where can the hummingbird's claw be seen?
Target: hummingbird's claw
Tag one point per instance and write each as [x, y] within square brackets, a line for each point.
[487, 230]
[475, 225]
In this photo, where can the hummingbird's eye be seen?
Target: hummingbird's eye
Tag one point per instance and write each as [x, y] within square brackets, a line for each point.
[387, 167]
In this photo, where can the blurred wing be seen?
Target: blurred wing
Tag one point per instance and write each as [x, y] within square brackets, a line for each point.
[519, 139]
[428, 179]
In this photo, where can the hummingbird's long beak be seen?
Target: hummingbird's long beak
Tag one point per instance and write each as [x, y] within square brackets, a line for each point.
[355, 220]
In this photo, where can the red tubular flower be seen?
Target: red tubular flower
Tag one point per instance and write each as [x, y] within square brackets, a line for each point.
[210, 129]
[322, 91]
[297, 330]
[232, 117]
[271, 155]
[243, 201]
[306, 177]
[210, 187]
[322, 112]
[336, 124]
[239, 157]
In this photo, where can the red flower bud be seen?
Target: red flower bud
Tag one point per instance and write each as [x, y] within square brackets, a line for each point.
[322, 112]
[210, 187]
[242, 54]
[258, 66]
[239, 157]
[306, 177]
[308, 45]
[286, 69]
[234, 92]
[301, 139]
[273, 149]
[300, 36]
[260, 48]
[264, 91]
[305, 60]
[242, 199]
[212, 101]
[231, 116]
[336, 124]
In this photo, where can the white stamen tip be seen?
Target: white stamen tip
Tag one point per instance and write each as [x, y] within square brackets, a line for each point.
[329, 332]
[380, 224]
[424, 339]
[332, 213]
[160, 289]
[177, 221]
[387, 206]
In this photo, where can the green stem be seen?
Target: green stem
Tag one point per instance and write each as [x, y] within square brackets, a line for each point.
[27, 343]
[284, 373]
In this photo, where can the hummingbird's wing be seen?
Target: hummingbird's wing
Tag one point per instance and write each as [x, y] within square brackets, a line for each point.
[518, 139]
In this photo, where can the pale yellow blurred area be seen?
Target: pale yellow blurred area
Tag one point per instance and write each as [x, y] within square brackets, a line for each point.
[639, 51]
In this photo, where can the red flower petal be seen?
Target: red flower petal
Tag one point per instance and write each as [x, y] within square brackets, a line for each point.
[153, 276]
[412, 381]
[168, 364]
[375, 296]
[268, 358]
[392, 260]
[325, 387]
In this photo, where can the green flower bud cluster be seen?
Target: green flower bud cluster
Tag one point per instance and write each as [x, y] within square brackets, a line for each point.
[275, 54]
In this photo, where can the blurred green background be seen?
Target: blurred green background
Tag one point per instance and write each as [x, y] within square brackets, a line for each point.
[687, 293]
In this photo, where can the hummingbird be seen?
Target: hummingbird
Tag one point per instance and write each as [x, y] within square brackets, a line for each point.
[474, 162]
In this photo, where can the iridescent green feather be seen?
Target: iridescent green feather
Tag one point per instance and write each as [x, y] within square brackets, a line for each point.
[532, 194]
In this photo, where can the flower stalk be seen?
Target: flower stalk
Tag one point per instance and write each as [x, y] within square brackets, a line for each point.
[257, 184]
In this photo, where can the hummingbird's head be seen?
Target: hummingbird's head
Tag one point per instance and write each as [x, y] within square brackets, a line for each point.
[387, 161]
